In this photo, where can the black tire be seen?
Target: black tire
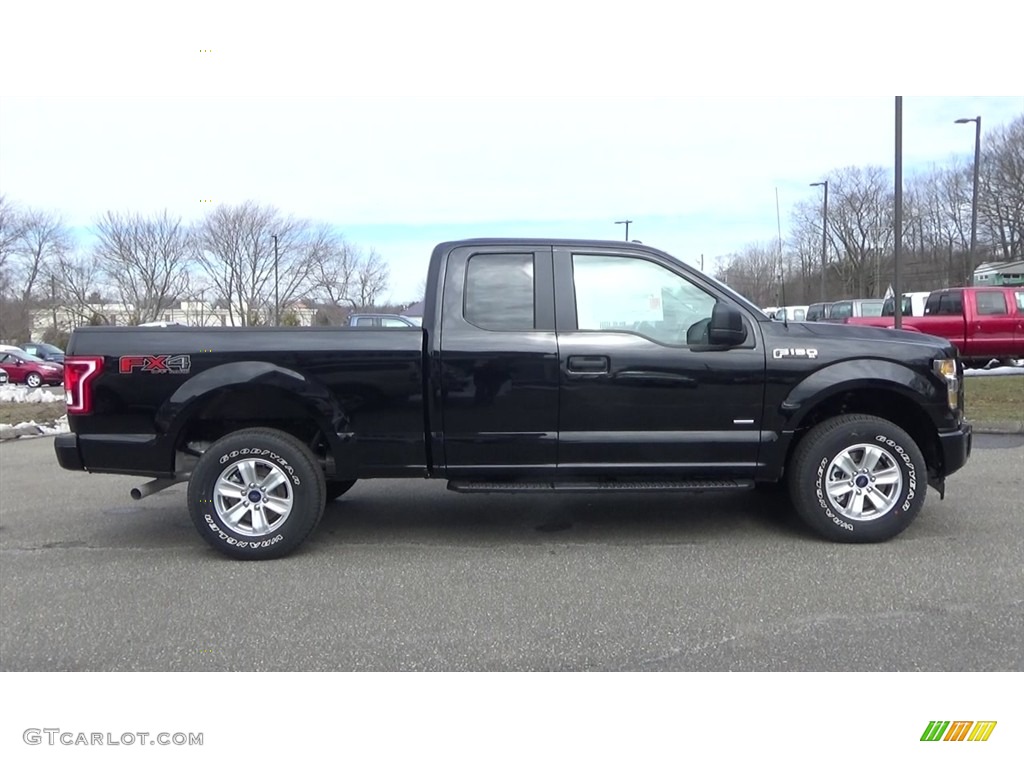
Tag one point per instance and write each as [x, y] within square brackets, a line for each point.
[827, 459]
[34, 380]
[336, 488]
[288, 510]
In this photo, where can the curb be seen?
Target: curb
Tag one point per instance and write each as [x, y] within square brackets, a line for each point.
[998, 427]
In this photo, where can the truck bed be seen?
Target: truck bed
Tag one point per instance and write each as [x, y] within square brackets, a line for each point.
[365, 387]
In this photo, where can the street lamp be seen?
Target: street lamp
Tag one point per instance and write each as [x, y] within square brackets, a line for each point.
[277, 305]
[974, 191]
[824, 234]
[627, 222]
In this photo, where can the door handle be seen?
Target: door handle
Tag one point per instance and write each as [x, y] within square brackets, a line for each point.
[588, 364]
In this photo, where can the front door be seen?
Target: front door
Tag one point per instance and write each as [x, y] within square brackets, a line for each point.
[641, 392]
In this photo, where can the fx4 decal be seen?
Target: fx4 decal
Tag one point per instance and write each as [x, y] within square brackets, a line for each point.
[155, 363]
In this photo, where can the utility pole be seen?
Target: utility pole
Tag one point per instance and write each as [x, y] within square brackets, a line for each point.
[53, 301]
[824, 235]
[627, 222]
[974, 193]
[898, 240]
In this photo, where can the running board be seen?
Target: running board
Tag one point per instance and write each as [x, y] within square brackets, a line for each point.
[472, 486]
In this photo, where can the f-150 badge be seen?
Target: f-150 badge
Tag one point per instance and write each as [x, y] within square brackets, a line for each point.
[155, 363]
[798, 352]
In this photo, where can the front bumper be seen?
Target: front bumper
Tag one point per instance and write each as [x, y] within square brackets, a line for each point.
[956, 448]
[66, 448]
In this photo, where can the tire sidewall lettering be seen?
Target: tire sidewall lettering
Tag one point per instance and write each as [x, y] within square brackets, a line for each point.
[240, 543]
[264, 453]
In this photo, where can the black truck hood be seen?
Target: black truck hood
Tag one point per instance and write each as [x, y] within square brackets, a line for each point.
[855, 336]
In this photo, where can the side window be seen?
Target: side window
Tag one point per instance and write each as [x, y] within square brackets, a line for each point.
[799, 315]
[952, 304]
[945, 304]
[614, 293]
[364, 321]
[991, 303]
[1019, 295]
[500, 292]
[842, 310]
[871, 309]
[392, 322]
[6, 359]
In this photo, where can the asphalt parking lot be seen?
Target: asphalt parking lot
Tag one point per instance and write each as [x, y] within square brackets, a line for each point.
[402, 575]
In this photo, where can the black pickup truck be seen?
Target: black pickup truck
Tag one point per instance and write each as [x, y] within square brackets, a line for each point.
[541, 365]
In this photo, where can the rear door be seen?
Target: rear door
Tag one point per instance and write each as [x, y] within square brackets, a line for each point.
[499, 362]
[1018, 334]
[994, 323]
[639, 397]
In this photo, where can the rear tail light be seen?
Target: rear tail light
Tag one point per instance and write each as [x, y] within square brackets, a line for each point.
[78, 375]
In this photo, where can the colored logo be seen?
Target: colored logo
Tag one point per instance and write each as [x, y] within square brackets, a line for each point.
[958, 730]
[155, 363]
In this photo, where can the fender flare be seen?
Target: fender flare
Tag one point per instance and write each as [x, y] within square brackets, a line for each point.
[323, 408]
[850, 375]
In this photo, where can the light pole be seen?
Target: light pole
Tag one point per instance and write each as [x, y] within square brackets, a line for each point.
[974, 190]
[627, 222]
[824, 234]
[277, 305]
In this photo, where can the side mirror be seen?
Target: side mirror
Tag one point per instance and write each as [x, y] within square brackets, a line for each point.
[19, 361]
[726, 328]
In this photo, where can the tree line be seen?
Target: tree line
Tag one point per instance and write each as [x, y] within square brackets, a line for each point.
[150, 262]
[860, 231]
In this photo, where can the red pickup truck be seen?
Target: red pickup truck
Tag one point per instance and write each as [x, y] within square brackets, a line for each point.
[983, 323]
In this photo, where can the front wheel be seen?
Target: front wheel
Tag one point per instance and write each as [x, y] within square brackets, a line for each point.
[858, 479]
[34, 380]
[256, 494]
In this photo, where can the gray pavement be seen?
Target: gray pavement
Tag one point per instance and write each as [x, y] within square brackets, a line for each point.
[402, 575]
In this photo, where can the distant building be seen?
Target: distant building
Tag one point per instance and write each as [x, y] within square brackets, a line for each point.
[999, 273]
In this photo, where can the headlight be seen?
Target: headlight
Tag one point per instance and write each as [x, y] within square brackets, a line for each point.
[946, 368]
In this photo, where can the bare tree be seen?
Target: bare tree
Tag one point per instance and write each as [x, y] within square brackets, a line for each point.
[35, 240]
[81, 282]
[145, 260]
[234, 245]
[753, 273]
[371, 279]
[1001, 191]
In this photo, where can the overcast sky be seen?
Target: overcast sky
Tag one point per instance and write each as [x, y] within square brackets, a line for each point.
[403, 128]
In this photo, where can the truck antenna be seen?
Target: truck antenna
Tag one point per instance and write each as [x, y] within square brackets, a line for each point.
[782, 269]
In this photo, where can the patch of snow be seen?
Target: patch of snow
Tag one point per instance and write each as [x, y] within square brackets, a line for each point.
[1003, 370]
[12, 393]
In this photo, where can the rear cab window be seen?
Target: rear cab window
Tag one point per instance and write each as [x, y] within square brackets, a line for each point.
[500, 294]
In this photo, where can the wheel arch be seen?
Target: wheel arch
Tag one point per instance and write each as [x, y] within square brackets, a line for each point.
[885, 400]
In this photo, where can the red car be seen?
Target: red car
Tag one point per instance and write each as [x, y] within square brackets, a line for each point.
[983, 323]
[23, 368]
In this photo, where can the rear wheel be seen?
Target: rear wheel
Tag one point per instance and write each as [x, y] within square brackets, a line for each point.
[256, 494]
[34, 380]
[858, 479]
